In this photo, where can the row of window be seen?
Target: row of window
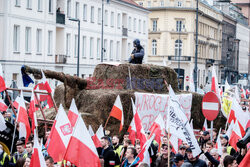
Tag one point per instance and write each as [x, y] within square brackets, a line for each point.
[178, 3]
[30, 6]
[180, 26]
[28, 40]
[92, 42]
[106, 21]
[178, 47]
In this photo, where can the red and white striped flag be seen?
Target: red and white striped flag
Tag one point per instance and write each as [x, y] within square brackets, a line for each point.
[204, 127]
[37, 159]
[17, 102]
[218, 144]
[45, 82]
[132, 128]
[215, 86]
[73, 113]
[117, 111]
[3, 106]
[32, 110]
[81, 150]
[144, 154]
[235, 136]
[157, 128]
[140, 133]
[91, 132]
[97, 137]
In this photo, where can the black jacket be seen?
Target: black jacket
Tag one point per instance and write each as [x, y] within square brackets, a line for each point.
[138, 56]
[108, 155]
[198, 163]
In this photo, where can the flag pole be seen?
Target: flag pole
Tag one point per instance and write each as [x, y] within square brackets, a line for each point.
[168, 147]
[13, 138]
[106, 123]
[211, 131]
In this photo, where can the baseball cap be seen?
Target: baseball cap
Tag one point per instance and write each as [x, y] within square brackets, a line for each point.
[178, 157]
[182, 147]
[224, 136]
[189, 150]
[205, 133]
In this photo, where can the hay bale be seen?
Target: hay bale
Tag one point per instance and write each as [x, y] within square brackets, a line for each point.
[146, 77]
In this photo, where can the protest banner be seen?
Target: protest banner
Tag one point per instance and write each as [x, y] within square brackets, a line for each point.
[149, 106]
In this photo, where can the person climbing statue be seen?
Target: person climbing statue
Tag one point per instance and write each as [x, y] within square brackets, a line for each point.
[137, 54]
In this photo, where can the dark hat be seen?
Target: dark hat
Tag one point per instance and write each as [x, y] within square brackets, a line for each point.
[189, 150]
[178, 157]
[205, 133]
[182, 147]
[19, 142]
[224, 136]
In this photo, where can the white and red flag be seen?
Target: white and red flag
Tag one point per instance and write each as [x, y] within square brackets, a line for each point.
[91, 132]
[23, 120]
[230, 129]
[97, 137]
[73, 113]
[60, 136]
[2, 84]
[215, 86]
[17, 102]
[140, 133]
[117, 111]
[32, 111]
[157, 128]
[243, 92]
[37, 159]
[204, 127]
[3, 106]
[144, 154]
[45, 82]
[235, 136]
[81, 150]
[218, 144]
[132, 128]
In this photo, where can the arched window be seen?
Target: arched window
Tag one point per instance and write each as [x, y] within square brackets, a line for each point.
[154, 47]
[178, 48]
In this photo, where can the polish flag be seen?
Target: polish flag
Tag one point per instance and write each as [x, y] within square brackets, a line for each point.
[243, 92]
[157, 128]
[17, 102]
[235, 136]
[97, 137]
[117, 111]
[81, 149]
[73, 113]
[60, 136]
[22, 119]
[32, 111]
[132, 128]
[2, 84]
[45, 82]
[40, 87]
[144, 154]
[218, 144]
[3, 106]
[204, 128]
[37, 159]
[237, 113]
[91, 132]
[246, 160]
[230, 129]
[140, 133]
[2, 123]
[215, 86]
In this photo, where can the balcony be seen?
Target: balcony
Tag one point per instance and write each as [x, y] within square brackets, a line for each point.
[60, 59]
[124, 32]
[60, 18]
[182, 58]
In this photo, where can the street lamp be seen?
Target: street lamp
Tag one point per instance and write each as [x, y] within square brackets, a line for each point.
[78, 49]
[196, 47]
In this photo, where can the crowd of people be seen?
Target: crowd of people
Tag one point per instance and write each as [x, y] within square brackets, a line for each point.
[114, 153]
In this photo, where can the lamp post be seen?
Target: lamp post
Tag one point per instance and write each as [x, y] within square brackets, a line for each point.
[102, 50]
[196, 47]
[179, 59]
[78, 49]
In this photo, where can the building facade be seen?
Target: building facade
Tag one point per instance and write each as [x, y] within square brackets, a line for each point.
[172, 38]
[40, 34]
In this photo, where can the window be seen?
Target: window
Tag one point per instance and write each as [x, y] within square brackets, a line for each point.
[16, 38]
[84, 47]
[106, 18]
[27, 40]
[149, 3]
[179, 25]
[76, 46]
[118, 50]
[91, 43]
[139, 27]
[92, 17]
[49, 42]
[39, 5]
[29, 4]
[129, 23]
[134, 24]
[105, 49]
[14, 76]
[77, 10]
[69, 8]
[178, 48]
[98, 43]
[50, 6]
[154, 25]
[144, 27]
[17, 3]
[118, 20]
[141, 3]
[99, 15]
[129, 50]
[111, 50]
[179, 3]
[154, 47]
[162, 3]
[68, 45]
[38, 41]
[85, 12]
[112, 19]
